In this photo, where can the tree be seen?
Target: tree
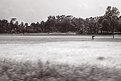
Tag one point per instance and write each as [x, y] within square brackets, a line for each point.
[91, 25]
[50, 24]
[16, 25]
[78, 25]
[119, 26]
[11, 26]
[42, 25]
[22, 28]
[111, 15]
[3, 26]
[26, 26]
[105, 26]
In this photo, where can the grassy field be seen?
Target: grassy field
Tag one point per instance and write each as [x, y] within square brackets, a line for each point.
[95, 60]
[65, 49]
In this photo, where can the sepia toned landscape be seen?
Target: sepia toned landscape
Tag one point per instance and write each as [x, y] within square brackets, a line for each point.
[60, 40]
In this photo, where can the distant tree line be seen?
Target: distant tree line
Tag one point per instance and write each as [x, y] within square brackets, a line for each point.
[109, 23]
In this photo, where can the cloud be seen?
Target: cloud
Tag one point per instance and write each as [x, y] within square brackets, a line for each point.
[37, 10]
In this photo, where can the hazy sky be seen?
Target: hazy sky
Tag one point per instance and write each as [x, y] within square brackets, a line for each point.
[37, 10]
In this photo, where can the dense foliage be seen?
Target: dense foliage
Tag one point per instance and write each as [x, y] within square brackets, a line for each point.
[110, 22]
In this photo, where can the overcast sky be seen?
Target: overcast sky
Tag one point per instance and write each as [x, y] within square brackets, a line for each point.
[37, 10]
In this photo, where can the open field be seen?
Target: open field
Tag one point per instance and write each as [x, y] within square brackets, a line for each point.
[63, 49]
[60, 58]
